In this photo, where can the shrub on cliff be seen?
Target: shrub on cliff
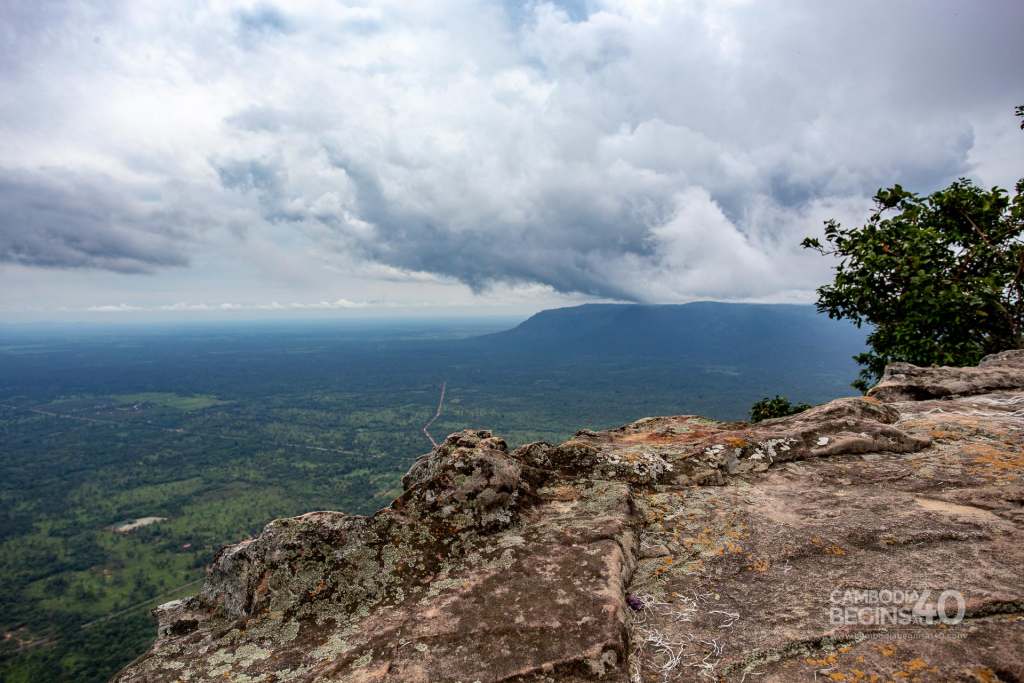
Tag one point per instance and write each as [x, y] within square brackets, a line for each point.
[940, 278]
[768, 408]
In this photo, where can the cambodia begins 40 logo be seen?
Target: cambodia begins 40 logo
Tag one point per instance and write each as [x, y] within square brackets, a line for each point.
[895, 607]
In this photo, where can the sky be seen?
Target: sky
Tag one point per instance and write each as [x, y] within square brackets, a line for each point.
[171, 160]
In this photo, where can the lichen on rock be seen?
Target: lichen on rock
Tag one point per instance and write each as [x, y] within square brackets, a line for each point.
[469, 480]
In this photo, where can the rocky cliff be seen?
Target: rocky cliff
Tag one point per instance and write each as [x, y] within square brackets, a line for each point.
[867, 539]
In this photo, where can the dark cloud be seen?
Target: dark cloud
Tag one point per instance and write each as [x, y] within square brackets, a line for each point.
[263, 20]
[57, 219]
[253, 174]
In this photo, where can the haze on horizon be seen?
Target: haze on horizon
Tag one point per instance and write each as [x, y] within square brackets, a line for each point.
[217, 159]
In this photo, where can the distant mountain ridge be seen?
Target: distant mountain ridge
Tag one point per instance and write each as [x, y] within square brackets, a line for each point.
[703, 332]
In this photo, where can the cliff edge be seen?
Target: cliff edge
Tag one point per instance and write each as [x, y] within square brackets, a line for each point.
[867, 539]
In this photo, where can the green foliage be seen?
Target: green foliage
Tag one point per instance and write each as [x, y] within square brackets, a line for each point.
[768, 408]
[940, 278]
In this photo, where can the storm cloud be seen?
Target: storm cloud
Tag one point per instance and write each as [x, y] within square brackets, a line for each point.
[630, 150]
[63, 220]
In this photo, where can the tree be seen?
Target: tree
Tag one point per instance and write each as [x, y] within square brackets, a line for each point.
[768, 408]
[940, 278]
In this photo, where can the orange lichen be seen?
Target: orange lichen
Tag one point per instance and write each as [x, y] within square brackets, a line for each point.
[737, 533]
[666, 564]
[828, 660]
[320, 588]
[830, 548]
[705, 541]
[759, 565]
[916, 664]
[985, 675]
[1002, 464]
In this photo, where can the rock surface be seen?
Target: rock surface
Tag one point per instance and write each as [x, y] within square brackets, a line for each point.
[674, 548]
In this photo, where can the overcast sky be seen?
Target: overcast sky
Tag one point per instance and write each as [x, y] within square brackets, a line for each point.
[348, 158]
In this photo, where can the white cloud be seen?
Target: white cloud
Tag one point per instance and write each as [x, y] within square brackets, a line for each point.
[182, 306]
[648, 151]
[113, 308]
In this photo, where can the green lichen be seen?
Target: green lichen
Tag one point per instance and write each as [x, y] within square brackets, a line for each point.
[335, 645]
[289, 631]
[363, 661]
[247, 655]
[438, 587]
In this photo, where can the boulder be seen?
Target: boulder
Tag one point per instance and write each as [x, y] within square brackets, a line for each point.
[906, 382]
